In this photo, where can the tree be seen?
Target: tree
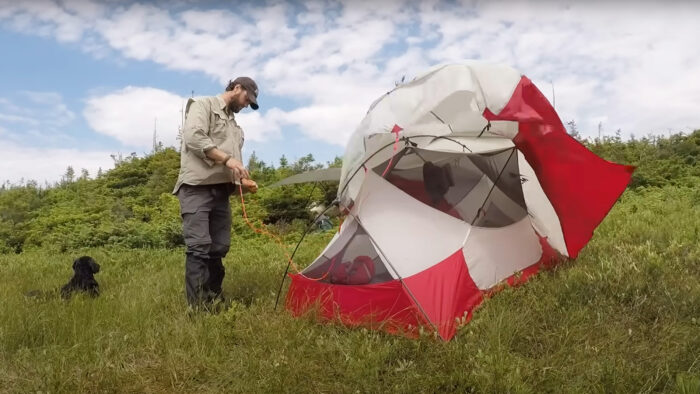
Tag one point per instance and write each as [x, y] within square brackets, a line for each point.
[305, 163]
[255, 164]
[573, 130]
[337, 162]
[283, 162]
[69, 176]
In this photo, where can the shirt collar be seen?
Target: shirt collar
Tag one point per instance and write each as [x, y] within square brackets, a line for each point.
[222, 105]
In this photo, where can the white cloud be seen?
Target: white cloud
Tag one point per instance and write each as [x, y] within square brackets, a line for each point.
[131, 114]
[46, 18]
[9, 118]
[30, 124]
[633, 65]
[26, 163]
[330, 123]
[211, 22]
[49, 107]
[39, 116]
[261, 126]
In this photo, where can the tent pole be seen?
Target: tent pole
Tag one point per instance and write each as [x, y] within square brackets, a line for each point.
[286, 271]
[407, 139]
[289, 263]
[495, 182]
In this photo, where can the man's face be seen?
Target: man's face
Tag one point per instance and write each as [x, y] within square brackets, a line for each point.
[240, 99]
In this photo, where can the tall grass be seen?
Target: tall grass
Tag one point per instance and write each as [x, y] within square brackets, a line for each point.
[624, 317]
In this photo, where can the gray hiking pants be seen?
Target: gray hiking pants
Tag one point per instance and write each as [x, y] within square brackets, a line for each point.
[206, 224]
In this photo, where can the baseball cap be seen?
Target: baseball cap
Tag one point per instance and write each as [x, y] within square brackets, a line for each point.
[251, 89]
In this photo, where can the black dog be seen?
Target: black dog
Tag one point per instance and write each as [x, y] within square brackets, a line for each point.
[84, 269]
[83, 279]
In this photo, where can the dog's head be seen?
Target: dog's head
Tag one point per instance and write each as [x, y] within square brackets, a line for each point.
[85, 265]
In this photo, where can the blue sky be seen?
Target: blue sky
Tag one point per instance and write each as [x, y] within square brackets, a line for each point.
[82, 80]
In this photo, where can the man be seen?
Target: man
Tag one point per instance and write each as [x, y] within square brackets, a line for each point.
[211, 168]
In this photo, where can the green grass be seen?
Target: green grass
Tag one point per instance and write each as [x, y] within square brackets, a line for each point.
[624, 317]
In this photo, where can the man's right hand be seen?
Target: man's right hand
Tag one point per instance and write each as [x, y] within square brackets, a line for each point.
[239, 171]
[249, 185]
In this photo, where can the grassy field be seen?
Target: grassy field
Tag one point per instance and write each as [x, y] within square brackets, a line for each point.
[624, 317]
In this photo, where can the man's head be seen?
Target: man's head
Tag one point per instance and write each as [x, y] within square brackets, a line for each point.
[244, 92]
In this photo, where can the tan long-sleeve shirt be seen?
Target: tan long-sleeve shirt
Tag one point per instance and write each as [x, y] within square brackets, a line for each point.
[207, 126]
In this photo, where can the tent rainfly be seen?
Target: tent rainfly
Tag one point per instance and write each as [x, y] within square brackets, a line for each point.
[454, 183]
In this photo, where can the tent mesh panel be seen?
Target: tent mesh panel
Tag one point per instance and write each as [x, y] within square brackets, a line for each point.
[482, 189]
[357, 263]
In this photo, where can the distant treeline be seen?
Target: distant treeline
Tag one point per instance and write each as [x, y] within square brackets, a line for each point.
[132, 206]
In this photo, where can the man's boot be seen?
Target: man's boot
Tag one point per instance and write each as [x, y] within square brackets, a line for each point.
[216, 277]
[196, 279]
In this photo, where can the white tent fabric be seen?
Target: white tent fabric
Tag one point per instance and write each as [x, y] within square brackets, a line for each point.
[454, 95]
[424, 236]
[544, 218]
[494, 254]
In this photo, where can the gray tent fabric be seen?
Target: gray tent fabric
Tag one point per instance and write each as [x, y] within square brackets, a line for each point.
[325, 174]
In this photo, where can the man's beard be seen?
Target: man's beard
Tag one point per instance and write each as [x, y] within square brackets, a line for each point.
[234, 107]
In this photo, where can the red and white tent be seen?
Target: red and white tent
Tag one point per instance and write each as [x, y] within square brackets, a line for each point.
[454, 183]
